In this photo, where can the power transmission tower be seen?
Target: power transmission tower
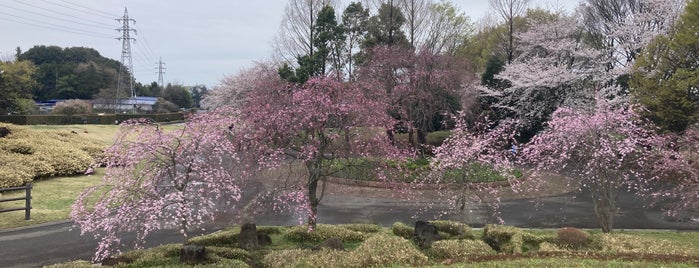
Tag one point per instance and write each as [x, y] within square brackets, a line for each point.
[126, 39]
[161, 71]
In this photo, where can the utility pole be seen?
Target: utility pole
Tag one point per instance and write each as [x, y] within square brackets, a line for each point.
[126, 39]
[161, 71]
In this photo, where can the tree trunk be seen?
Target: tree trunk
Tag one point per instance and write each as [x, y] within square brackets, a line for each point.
[313, 167]
[605, 209]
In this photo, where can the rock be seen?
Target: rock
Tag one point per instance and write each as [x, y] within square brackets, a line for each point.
[247, 239]
[192, 254]
[263, 239]
[425, 234]
[4, 132]
[333, 243]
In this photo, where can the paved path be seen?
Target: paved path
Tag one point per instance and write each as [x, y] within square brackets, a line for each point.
[60, 242]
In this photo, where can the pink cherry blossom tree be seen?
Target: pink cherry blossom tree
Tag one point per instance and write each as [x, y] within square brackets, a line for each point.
[470, 148]
[317, 123]
[162, 179]
[604, 150]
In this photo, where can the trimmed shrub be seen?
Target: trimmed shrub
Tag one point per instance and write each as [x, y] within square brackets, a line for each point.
[158, 256]
[510, 239]
[220, 238]
[17, 146]
[459, 249]
[386, 250]
[322, 232]
[453, 229]
[13, 173]
[229, 253]
[29, 154]
[362, 227]
[376, 251]
[270, 230]
[550, 247]
[572, 238]
[403, 230]
[72, 264]
[308, 258]
[623, 243]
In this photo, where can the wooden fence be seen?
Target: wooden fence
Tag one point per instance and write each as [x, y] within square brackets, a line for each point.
[27, 200]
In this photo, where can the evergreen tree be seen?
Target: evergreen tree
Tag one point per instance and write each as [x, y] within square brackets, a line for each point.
[666, 76]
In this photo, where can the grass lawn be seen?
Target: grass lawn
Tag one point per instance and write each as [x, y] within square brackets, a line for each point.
[51, 199]
[102, 133]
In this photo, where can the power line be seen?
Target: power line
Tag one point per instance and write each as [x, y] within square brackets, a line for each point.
[89, 8]
[53, 26]
[56, 18]
[109, 16]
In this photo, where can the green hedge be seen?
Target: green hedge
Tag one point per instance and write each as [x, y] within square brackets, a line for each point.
[85, 119]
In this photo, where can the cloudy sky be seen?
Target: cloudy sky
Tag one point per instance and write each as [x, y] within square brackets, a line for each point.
[199, 41]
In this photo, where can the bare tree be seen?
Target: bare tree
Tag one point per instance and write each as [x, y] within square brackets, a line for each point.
[296, 35]
[624, 27]
[446, 28]
[508, 11]
[416, 14]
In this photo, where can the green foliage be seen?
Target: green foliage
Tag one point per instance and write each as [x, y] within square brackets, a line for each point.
[384, 28]
[477, 173]
[71, 107]
[322, 232]
[403, 230]
[70, 73]
[459, 249]
[178, 94]
[572, 238]
[453, 228]
[16, 84]
[667, 72]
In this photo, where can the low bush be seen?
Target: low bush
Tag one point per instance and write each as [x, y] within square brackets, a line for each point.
[270, 230]
[362, 227]
[220, 238]
[572, 238]
[386, 250]
[453, 229]
[29, 154]
[72, 264]
[459, 249]
[624, 243]
[158, 256]
[403, 230]
[308, 258]
[229, 253]
[300, 234]
[509, 239]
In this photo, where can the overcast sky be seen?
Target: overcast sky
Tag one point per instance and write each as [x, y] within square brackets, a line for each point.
[199, 41]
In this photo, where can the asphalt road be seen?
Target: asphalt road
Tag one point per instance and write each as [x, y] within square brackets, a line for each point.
[59, 242]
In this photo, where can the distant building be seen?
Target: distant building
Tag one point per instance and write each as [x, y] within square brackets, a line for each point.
[140, 104]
